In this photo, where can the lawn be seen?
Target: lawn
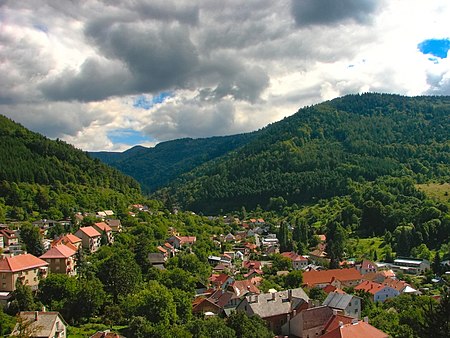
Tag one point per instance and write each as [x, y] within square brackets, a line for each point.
[436, 191]
[364, 247]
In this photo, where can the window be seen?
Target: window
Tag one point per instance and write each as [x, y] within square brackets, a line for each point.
[3, 285]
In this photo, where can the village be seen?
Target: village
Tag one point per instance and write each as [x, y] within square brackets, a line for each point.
[313, 302]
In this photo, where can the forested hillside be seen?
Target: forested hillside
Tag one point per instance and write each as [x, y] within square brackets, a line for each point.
[158, 166]
[51, 177]
[320, 150]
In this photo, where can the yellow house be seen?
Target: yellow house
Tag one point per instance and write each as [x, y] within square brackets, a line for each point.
[27, 268]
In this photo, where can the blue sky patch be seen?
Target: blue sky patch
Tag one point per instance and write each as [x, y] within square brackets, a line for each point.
[128, 136]
[147, 102]
[41, 27]
[435, 47]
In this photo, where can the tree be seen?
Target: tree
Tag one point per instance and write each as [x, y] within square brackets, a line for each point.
[283, 238]
[25, 328]
[90, 298]
[436, 266]
[119, 273]
[31, 237]
[437, 318]
[336, 242]
[210, 327]
[6, 323]
[293, 279]
[155, 303]
[23, 299]
[248, 326]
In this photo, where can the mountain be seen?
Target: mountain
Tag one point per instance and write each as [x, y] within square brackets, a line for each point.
[317, 153]
[38, 174]
[158, 166]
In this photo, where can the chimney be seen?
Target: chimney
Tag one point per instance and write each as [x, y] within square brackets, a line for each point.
[36, 316]
[366, 319]
[354, 321]
[273, 295]
[294, 313]
[290, 294]
[341, 324]
[335, 312]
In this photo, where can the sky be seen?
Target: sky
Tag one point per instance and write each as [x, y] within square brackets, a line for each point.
[107, 75]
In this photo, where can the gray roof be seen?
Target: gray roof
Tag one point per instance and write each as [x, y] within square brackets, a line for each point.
[273, 304]
[44, 323]
[337, 300]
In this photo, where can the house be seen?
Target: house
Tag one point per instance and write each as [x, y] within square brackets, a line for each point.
[355, 329]
[115, 225]
[42, 325]
[338, 277]
[229, 238]
[349, 305]
[400, 286]
[26, 268]
[70, 240]
[379, 291]
[276, 308]
[205, 305]
[252, 265]
[225, 299]
[90, 238]
[298, 262]
[366, 266]
[243, 287]
[9, 237]
[157, 260]
[182, 241]
[410, 265]
[220, 281]
[104, 229]
[307, 323]
[61, 259]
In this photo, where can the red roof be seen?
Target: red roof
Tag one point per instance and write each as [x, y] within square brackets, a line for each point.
[72, 238]
[187, 239]
[59, 251]
[331, 288]
[293, 256]
[20, 263]
[359, 329]
[90, 232]
[103, 226]
[241, 287]
[396, 284]
[370, 287]
[333, 322]
[312, 278]
[252, 265]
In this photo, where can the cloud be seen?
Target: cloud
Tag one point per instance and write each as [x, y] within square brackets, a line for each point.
[332, 12]
[82, 70]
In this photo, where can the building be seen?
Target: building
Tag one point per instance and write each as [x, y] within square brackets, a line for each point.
[379, 291]
[115, 225]
[355, 329]
[308, 323]
[298, 262]
[26, 268]
[276, 308]
[90, 238]
[182, 241]
[70, 240]
[366, 266]
[338, 277]
[104, 229]
[346, 304]
[414, 266]
[41, 324]
[61, 259]
[9, 237]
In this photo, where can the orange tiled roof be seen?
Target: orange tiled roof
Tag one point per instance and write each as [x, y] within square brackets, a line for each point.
[103, 226]
[370, 287]
[359, 329]
[396, 284]
[241, 287]
[333, 322]
[59, 251]
[90, 231]
[312, 278]
[331, 288]
[20, 263]
[72, 238]
[293, 256]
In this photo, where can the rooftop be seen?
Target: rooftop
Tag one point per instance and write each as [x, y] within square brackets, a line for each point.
[20, 263]
[59, 251]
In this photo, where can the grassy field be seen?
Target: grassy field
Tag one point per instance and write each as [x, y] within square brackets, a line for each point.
[363, 247]
[436, 191]
[88, 330]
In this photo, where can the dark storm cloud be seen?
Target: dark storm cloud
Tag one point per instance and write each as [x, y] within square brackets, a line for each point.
[331, 12]
[94, 81]
[141, 59]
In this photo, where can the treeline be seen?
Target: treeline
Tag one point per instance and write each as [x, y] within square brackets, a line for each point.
[318, 151]
[158, 166]
[50, 178]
